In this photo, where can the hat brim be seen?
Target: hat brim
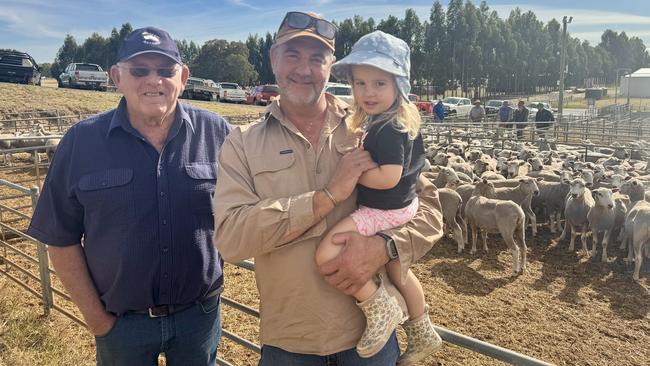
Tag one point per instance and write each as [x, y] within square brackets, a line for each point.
[341, 69]
[150, 51]
[304, 33]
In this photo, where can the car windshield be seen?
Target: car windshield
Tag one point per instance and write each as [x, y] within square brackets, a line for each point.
[88, 67]
[271, 89]
[494, 103]
[229, 86]
[451, 100]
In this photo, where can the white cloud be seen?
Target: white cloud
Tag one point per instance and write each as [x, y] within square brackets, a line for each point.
[243, 3]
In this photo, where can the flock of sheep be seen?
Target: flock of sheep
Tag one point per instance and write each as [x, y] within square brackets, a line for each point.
[503, 190]
[34, 137]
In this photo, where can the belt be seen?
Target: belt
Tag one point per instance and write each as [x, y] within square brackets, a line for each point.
[169, 309]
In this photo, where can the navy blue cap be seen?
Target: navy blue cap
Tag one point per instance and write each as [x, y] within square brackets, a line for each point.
[148, 40]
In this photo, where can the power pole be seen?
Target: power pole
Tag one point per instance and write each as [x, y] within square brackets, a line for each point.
[565, 21]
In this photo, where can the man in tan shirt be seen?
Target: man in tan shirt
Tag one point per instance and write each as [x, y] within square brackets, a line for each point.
[270, 204]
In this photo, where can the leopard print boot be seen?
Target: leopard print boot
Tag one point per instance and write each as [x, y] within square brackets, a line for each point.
[423, 340]
[383, 315]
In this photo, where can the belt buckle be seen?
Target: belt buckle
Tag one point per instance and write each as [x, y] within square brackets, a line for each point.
[159, 311]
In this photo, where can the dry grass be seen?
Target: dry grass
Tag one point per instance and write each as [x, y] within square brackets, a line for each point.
[16, 98]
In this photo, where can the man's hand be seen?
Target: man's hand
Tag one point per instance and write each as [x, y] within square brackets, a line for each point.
[101, 324]
[361, 257]
[348, 171]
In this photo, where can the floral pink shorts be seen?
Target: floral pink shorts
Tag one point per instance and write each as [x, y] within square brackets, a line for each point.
[371, 220]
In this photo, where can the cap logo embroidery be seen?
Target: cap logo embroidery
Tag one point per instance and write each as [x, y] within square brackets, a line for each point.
[150, 38]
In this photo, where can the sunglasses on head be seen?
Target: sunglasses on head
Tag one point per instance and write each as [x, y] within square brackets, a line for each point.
[298, 20]
[163, 72]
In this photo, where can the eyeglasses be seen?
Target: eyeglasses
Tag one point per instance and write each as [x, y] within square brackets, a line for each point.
[163, 72]
[298, 20]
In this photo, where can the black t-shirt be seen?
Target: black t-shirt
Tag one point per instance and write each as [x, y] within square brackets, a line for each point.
[387, 145]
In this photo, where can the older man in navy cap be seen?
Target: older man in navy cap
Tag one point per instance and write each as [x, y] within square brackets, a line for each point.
[126, 212]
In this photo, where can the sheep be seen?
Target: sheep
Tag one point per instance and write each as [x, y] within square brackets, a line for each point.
[492, 215]
[601, 217]
[444, 177]
[552, 197]
[578, 204]
[517, 168]
[634, 189]
[522, 195]
[637, 232]
[451, 204]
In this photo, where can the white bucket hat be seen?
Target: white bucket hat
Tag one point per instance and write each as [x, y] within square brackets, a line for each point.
[383, 51]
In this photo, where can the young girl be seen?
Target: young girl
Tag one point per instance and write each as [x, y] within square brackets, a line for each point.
[378, 69]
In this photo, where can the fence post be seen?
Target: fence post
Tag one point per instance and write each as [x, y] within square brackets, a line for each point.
[43, 263]
[36, 169]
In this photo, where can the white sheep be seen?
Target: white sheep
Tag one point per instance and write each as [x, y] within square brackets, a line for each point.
[601, 218]
[578, 204]
[504, 217]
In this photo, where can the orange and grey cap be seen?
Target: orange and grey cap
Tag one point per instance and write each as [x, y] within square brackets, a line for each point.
[298, 24]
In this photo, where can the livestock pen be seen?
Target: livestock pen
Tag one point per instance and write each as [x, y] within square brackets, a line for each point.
[564, 310]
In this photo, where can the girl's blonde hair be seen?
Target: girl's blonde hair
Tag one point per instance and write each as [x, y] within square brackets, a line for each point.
[402, 114]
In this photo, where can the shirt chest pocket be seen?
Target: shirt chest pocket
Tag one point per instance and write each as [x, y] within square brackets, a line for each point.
[107, 195]
[203, 179]
[276, 177]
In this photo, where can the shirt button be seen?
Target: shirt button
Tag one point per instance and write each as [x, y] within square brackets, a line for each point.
[317, 171]
[165, 249]
[164, 222]
[162, 194]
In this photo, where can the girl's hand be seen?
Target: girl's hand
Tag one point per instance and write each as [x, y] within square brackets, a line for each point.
[348, 171]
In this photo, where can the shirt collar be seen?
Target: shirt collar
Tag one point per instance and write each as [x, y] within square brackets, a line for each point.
[121, 118]
[336, 111]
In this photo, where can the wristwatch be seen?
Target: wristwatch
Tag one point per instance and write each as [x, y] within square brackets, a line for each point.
[391, 248]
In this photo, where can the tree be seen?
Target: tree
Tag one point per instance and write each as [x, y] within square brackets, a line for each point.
[188, 50]
[94, 50]
[66, 54]
[216, 60]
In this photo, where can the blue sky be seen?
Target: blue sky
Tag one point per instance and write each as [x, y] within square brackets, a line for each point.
[39, 26]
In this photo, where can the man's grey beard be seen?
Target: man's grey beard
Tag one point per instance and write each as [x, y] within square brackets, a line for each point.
[300, 98]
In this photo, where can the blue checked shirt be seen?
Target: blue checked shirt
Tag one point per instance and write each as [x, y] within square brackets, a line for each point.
[145, 219]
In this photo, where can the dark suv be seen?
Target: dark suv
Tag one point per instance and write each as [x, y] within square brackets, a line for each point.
[19, 67]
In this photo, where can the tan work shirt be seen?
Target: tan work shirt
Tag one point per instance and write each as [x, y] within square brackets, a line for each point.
[267, 178]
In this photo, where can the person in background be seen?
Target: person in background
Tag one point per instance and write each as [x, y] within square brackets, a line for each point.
[477, 113]
[543, 120]
[126, 213]
[520, 115]
[439, 111]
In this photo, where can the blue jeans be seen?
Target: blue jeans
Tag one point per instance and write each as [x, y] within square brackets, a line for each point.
[189, 338]
[273, 356]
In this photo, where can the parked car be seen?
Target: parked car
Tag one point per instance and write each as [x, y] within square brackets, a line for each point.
[230, 92]
[424, 106]
[197, 88]
[343, 91]
[261, 95]
[492, 106]
[457, 106]
[19, 67]
[83, 75]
